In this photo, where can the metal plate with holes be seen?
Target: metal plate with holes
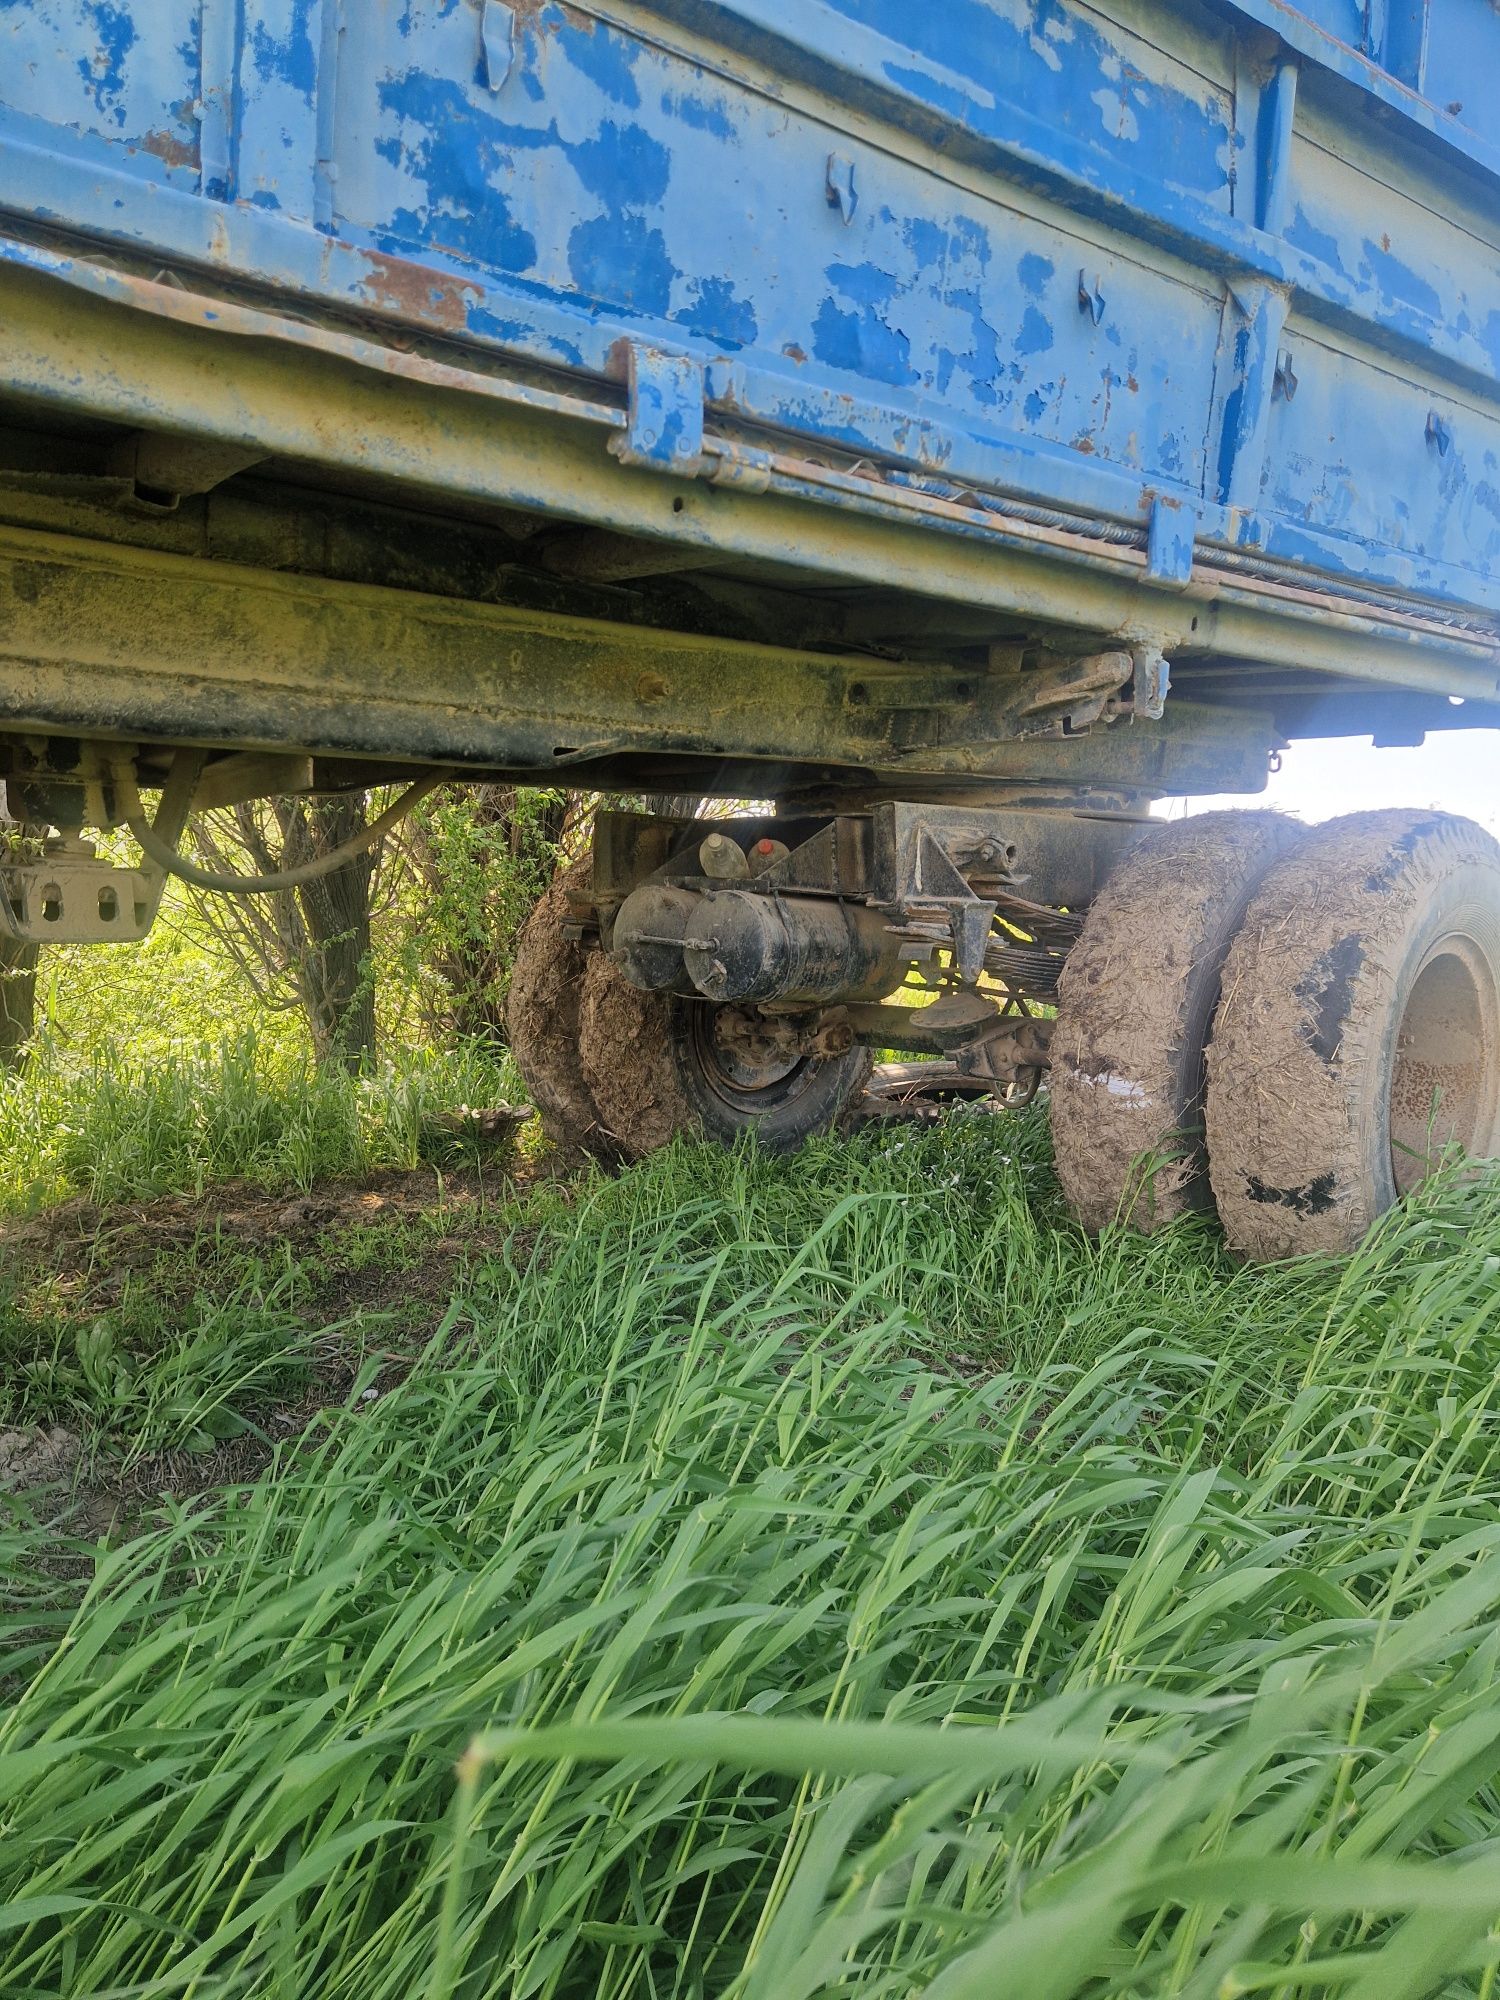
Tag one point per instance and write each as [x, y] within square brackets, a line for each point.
[75, 899]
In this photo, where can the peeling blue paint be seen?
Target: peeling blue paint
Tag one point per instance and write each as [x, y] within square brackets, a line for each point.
[927, 240]
[1400, 281]
[980, 361]
[624, 166]
[701, 113]
[865, 284]
[1035, 335]
[1316, 242]
[288, 57]
[112, 33]
[863, 340]
[623, 259]
[998, 147]
[464, 208]
[863, 343]
[607, 60]
[1057, 60]
[719, 314]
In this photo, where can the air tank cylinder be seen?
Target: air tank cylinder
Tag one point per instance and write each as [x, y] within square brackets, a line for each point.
[737, 945]
[646, 942]
[745, 947]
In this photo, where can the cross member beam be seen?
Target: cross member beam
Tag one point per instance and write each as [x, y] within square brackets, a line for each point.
[103, 640]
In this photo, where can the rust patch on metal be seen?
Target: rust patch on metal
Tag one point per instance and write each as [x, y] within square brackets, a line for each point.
[168, 147]
[397, 285]
[528, 11]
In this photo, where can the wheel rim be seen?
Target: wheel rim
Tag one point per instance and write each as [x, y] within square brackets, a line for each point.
[749, 1086]
[1446, 1074]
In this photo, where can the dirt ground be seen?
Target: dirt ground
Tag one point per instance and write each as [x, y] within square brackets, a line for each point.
[380, 1259]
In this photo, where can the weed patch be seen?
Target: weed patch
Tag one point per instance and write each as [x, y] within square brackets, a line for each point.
[784, 1578]
[118, 1125]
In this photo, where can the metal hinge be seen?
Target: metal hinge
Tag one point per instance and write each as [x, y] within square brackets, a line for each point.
[839, 186]
[1150, 682]
[1169, 541]
[1091, 299]
[664, 413]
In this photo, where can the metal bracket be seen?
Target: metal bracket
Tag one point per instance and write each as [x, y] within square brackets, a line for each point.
[934, 882]
[1150, 682]
[1004, 1052]
[180, 465]
[1091, 299]
[498, 41]
[1169, 541]
[252, 774]
[1066, 696]
[1252, 325]
[985, 1043]
[70, 897]
[839, 186]
[664, 419]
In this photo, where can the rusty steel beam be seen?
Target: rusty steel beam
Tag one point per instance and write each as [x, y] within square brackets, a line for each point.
[111, 641]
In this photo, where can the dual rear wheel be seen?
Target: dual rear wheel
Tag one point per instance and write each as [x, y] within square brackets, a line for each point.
[1290, 1025]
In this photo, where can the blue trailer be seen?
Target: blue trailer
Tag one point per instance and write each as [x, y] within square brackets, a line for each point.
[959, 423]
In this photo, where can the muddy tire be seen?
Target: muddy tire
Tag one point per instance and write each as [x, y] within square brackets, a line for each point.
[654, 1069]
[1134, 1008]
[1362, 990]
[623, 1040]
[546, 989]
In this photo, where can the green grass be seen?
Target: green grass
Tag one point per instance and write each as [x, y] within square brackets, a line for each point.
[176, 1329]
[150, 1381]
[122, 1123]
[167, 1366]
[831, 1576]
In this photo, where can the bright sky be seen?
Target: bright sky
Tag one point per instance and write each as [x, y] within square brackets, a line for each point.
[1457, 770]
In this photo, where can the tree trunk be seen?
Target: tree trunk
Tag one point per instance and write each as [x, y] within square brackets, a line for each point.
[335, 977]
[17, 1000]
[309, 946]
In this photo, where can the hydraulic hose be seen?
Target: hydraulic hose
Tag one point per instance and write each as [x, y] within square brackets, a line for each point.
[165, 855]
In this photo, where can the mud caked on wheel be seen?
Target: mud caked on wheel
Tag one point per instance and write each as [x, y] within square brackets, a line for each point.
[658, 1064]
[546, 989]
[1135, 1003]
[1359, 1033]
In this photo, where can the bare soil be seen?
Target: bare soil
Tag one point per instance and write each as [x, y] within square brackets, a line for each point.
[417, 1232]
